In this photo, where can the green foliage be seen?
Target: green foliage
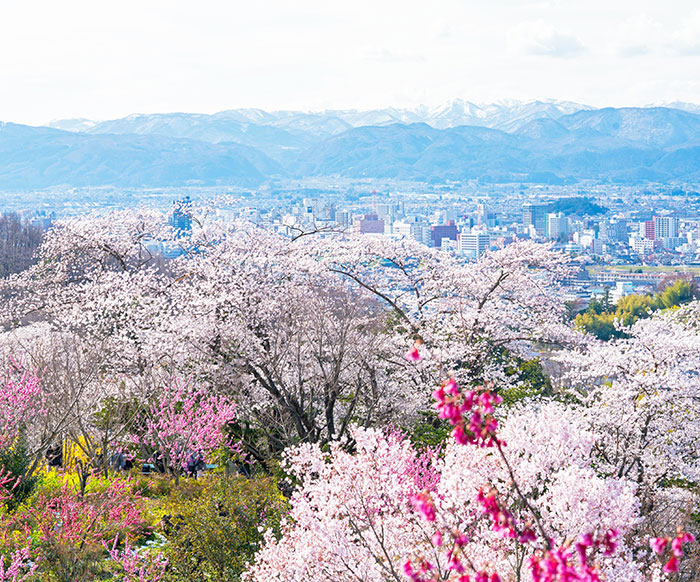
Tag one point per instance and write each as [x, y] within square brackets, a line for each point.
[677, 294]
[531, 381]
[579, 205]
[601, 326]
[595, 307]
[634, 307]
[430, 431]
[599, 319]
[17, 461]
[213, 532]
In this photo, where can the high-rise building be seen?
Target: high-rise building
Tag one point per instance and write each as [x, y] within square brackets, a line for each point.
[557, 225]
[535, 215]
[474, 244]
[619, 228]
[181, 219]
[485, 217]
[403, 228]
[343, 218]
[649, 230]
[665, 227]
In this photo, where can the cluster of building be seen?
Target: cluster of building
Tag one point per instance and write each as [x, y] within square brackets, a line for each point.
[617, 239]
[659, 236]
[467, 236]
[608, 241]
[609, 225]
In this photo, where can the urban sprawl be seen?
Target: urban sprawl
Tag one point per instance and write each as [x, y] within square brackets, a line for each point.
[629, 238]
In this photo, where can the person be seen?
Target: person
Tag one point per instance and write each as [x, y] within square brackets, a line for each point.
[117, 461]
[196, 465]
[158, 463]
[54, 457]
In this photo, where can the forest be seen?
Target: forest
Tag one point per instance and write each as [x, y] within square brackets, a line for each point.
[335, 408]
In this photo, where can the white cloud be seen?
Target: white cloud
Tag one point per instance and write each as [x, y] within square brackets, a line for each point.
[686, 40]
[81, 58]
[387, 56]
[541, 38]
[637, 36]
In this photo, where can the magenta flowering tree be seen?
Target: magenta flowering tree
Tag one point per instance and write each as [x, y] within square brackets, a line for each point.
[71, 520]
[136, 566]
[21, 400]
[67, 530]
[521, 501]
[182, 420]
[19, 566]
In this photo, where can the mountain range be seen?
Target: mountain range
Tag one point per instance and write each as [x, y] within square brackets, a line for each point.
[539, 141]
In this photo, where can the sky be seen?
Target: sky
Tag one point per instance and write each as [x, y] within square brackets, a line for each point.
[105, 59]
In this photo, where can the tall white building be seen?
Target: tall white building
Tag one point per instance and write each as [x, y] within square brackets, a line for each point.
[401, 228]
[557, 225]
[665, 227]
[473, 244]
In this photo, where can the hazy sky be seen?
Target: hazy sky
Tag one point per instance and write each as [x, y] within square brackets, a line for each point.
[102, 59]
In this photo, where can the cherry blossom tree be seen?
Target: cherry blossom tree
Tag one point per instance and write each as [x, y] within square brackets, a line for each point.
[490, 509]
[466, 315]
[307, 335]
[303, 354]
[183, 420]
[640, 395]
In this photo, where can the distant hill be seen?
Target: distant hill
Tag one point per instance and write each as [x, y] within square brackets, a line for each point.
[628, 145]
[656, 126]
[232, 125]
[578, 205]
[274, 137]
[283, 134]
[40, 157]
[540, 141]
[415, 152]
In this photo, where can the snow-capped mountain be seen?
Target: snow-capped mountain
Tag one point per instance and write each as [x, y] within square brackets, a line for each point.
[505, 115]
[550, 141]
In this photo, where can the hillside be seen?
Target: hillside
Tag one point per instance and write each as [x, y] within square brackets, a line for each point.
[543, 144]
[40, 157]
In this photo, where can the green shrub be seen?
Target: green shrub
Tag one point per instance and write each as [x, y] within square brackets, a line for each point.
[531, 381]
[212, 533]
[17, 462]
[430, 431]
[599, 319]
